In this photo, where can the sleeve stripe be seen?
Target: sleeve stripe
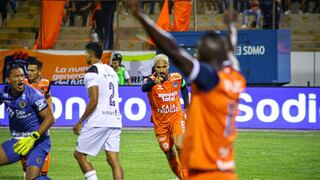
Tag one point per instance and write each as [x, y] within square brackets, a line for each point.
[195, 70]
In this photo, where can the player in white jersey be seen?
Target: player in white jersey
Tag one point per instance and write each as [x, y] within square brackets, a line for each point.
[103, 120]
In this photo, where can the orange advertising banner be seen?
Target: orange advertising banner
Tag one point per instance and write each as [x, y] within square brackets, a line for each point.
[60, 67]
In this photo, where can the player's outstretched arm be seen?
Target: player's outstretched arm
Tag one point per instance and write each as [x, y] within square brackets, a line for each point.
[163, 40]
[230, 20]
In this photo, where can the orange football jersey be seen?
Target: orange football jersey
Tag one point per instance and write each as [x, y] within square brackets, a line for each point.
[210, 128]
[43, 86]
[165, 100]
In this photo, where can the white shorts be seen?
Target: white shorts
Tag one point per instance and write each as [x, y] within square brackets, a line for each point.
[92, 140]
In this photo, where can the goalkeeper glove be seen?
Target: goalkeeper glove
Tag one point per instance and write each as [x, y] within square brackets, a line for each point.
[25, 144]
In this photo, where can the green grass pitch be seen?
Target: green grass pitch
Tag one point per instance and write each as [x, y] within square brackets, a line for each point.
[260, 155]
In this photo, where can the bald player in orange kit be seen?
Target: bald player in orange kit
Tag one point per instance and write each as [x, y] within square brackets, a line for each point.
[207, 150]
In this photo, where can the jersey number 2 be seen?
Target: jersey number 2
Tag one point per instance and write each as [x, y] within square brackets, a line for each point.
[111, 87]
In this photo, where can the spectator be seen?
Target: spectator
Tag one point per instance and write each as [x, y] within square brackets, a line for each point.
[97, 23]
[66, 13]
[171, 4]
[13, 5]
[253, 10]
[152, 5]
[79, 8]
[125, 7]
[4, 11]
[212, 6]
[288, 3]
[267, 11]
[123, 75]
[316, 8]
[94, 37]
[108, 9]
[143, 4]
[225, 4]
[240, 5]
[201, 7]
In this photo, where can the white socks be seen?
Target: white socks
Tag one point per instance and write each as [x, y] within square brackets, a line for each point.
[91, 175]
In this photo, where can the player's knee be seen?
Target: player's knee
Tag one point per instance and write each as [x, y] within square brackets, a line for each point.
[78, 156]
[108, 161]
[75, 155]
[112, 160]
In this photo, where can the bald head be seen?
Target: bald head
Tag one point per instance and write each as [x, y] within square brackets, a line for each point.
[212, 49]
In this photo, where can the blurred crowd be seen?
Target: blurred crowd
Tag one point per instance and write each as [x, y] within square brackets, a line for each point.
[100, 14]
[4, 9]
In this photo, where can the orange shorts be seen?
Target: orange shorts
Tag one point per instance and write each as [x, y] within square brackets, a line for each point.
[165, 133]
[45, 167]
[212, 175]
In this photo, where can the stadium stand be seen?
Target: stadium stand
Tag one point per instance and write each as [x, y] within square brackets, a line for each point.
[21, 30]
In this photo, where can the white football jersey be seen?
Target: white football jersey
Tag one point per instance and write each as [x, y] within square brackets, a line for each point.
[107, 112]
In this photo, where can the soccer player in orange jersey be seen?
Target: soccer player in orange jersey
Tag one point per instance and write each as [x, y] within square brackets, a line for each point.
[167, 115]
[43, 85]
[208, 145]
[36, 81]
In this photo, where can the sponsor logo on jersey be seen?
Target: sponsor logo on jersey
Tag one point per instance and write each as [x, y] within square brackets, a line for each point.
[19, 135]
[22, 104]
[175, 84]
[162, 138]
[159, 87]
[167, 97]
[165, 145]
[234, 86]
[172, 108]
[41, 104]
[39, 160]
[22, 114]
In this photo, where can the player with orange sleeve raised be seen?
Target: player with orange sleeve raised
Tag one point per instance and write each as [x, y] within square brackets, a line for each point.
[35, 80]
[167, 115]
[208, 145]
